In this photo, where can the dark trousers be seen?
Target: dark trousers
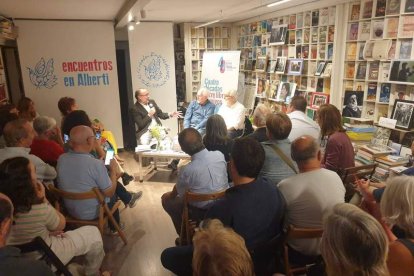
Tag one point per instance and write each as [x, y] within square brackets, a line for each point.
[122, 194]
[178, 259]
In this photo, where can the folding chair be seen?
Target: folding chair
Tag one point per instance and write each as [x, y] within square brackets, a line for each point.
[104, 212]
[349, 175]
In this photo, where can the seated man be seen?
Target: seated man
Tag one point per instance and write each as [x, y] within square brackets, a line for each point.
[79, 172]
[309, 195]
[146, 113]
[301, 124]
[19, 135]
[233, 114]
[12, 263]
[198, 112]
[44, 145]
[278, 164]
[259, 120]
[207, 173]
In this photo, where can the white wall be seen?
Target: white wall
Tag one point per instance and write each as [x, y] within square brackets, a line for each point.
[72, 41]
[152, 44]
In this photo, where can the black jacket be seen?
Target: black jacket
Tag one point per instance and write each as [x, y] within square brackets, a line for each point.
[140, 116]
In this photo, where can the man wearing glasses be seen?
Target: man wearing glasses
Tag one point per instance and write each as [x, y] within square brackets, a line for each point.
[146, 114]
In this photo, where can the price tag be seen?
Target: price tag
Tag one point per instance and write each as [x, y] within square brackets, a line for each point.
[387, 122]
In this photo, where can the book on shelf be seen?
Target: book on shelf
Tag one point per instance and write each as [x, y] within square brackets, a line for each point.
[407, 26]
[306, 35]
[351, 51]
[391, 52]
[323, 17]
[292, 37]
[405, 48]
[385, 93]
[367, 8]
[349, 70]
[381, 137]
[224, 32]
[299, 51]
[299, 20]
[299, 37]
[393, 7]
[330, 52]
[353, 31]
[328, 70]
[372, 91]
[332, 13]
[364, 30]
[355, 10]
[361, 51]
[314, 37]
[369, 110]
[361, 70]
[322, 51]
[373, 70]
[322, 34]
[391, 27]
[377, 29]
[291, 51]
[315, 18]
[314, 51]
[376, 151]
[381, 49]
[380, 8]
[292, 22]
[305, 51]
[409, 6]
[331, 33]
[384, 72]
[307, 19]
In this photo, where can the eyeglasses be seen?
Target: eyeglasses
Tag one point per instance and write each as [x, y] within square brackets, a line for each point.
[144, 95]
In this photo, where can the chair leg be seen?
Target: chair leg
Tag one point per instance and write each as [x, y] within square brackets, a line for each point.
[120, 232]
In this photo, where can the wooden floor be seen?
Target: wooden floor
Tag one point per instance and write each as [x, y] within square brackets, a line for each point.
[149, 229]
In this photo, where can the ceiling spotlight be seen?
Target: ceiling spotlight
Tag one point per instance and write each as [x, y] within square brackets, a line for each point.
[277, 3]
[137, 22]
[143, 14]
[131, 26]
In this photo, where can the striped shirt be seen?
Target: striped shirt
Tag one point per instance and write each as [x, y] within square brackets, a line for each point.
[41, 219]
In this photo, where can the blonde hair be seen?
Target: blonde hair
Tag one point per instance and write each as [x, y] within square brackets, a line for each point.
[219, 250]
[353, 243]
[397, 203]
[230, 93]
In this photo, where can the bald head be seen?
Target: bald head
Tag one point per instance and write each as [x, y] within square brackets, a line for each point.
[80, 137]
[304, 149]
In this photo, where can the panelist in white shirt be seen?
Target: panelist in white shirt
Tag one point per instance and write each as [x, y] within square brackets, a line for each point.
[233, 114]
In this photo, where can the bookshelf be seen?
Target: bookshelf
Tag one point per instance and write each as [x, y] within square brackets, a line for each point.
[199, 41]
[3, 81]
[310, 38]
[378, 32]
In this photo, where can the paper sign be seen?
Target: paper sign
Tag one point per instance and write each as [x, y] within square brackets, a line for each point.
[387, 122]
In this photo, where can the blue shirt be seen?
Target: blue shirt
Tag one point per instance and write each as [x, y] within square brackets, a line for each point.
[78, 173]
[197, 115]
[205, 174]
[274, 168]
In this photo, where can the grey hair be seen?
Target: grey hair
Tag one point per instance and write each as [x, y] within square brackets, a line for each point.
[231, 93]
[397, 203]
[43, 123]
[259, 115]
[203, 91]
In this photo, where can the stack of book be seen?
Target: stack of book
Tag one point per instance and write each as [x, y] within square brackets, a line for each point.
[8, 30]
[359, 132]
[390, 161]
[367, 154]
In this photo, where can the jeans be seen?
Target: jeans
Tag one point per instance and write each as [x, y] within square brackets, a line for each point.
[124, 196]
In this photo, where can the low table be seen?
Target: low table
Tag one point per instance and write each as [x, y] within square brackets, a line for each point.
[158, 154]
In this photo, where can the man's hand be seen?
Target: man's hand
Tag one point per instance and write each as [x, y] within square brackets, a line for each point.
[176, 114]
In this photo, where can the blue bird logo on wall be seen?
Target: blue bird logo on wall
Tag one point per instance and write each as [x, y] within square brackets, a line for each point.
[42, 75]
[153, 70]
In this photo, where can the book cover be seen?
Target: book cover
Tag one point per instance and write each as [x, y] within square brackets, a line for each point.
[381, 49]
[305, 68]
[355, 10]
[323, 17]
[330, 51]
[385, 93]
[349, 70]
[304, 83]
[305, 51]
[391, 25]
[369, 111]
[306, 36]
[200, 32]
[380, 8]
[292, 22]
[373, 70]
[353, 31]
[210, 43]
[405, 49]
[292, 37]
[367, 9]
[328, 70]
[315, 18]
[299, 51]
[409, 6]
[312, 68]
[385, 72]
[331, 33]
[372, 91]
[299, 20]
[369, 47]
[361, 71]
[352, 105]
[377, 29]
[381, 136]
[210, 32]
[314, 51]
[314, 35]
[393, 7]
[307, 19]
[365, 30]
[299, 37]
[361, 51]
[332, 12]
[407, 27]
[265, 39]
[351, 51]
[322, 34]
[322, 51]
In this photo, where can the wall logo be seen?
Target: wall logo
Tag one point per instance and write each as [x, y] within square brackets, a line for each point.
[153, 70]
[42, 74]
[222, 65]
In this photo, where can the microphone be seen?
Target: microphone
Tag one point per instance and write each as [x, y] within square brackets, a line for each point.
[150, 105]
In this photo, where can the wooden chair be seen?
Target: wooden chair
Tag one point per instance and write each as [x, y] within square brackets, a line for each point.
[38, 244]
[349, 175]
[104, 212]
[298, 233]
[188, 225]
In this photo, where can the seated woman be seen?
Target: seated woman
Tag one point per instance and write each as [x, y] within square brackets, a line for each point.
[233, 114]
[259, 120]
[353, 243]
[216, 137]
[218, 250]
[339, 152]
[34, 216]
[26, 108]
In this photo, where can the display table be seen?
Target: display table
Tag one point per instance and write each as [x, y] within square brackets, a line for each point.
[155, 154]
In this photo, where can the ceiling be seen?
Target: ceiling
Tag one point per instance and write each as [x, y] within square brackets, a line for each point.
[122, 11]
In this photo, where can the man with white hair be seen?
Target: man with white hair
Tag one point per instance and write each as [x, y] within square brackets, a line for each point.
[351, 109]
[233, 114]
[259, 120]
[199, 111]
[48, 145]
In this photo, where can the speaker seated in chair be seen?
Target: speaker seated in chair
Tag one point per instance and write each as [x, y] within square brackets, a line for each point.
[233, 113]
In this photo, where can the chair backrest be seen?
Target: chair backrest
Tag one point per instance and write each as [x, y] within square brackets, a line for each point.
[74, 196]
[194, 197]
[304, 233]
[38, 244]
[349, 174]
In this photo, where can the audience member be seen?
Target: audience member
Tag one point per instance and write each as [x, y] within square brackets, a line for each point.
[198, 111]
[278, 165]
[218, 250]
[66, 105]
[216, 137]
[259, 120]
[353, 243]
[26, 108]
[45, 145]
[34, 216]
[301, 124]
[19, 135]
[339, 152]
[90, 173]
[309, 195]
[11, 261]
[397, 210]
[8, 112]
[233, 114]
[205, 174]
[146, 113]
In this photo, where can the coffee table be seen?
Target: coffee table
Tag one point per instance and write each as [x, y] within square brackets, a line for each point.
[155, 155]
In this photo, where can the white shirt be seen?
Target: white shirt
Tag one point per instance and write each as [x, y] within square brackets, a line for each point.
[233, 116]
[148, 109]
[309, 196]
[43, 170]
[303, 125]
